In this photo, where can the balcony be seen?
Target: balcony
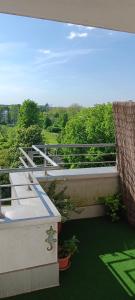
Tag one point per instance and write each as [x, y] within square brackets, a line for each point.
[28, 258]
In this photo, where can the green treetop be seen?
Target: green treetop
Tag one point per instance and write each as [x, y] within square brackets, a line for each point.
[29, 114]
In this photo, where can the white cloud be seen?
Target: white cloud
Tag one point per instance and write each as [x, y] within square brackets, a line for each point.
[59, 57]
[89, 28]
[72, 35]
[69, 24]
[83, 34]
[81, 27]
[44, 51]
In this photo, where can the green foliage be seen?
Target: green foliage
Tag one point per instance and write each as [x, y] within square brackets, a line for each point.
[47, 122]
[29, 114]
[73, 124]
[69, 247]
[18, 137]
[63, 203]
[5, 191]
[100, 124]
[25, 137]
[4, 158]
[113, 205]
[89, 126]
[28, 136]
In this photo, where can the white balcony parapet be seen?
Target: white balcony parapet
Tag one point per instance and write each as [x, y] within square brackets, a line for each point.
[35, 206]
[26, 264]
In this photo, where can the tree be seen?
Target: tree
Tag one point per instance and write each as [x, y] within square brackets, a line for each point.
[25, 137]
[29, 114]
[89, 126]
[45, 120]
[100, 124]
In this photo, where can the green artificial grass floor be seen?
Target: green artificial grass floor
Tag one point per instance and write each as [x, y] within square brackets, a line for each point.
[104, 267]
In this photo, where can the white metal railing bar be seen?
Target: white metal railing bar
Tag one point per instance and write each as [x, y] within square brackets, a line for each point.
[27, 157]
[32, 169]
[13, 185]
[47, 158]
[82, 154]
[87, 162]
[23, 162]
[102, 145]
[20, 198]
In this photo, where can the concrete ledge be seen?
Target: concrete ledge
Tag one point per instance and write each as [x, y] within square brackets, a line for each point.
[28, 280]
[91, 211]
[83, 173]
[85, 186]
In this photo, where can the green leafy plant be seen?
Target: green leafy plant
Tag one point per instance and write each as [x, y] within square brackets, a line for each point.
[63, 202]
[113, 205]
[69, 247]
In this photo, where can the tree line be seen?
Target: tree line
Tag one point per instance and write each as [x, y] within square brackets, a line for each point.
[31, 123]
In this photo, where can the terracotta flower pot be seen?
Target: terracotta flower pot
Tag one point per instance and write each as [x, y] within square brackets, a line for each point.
[64, 263]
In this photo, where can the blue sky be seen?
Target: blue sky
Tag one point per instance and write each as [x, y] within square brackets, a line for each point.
[63, 63]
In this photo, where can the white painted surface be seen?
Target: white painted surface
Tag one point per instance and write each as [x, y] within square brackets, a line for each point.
[23, 230]
[28, 280]
[90, 211]
[76, 173]
[84, 186]
[113, 14]
[25, 247]
[91, 172]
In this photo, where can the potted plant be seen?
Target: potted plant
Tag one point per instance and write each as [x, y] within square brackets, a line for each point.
[114, 206]
[66, 250]
[63, 202]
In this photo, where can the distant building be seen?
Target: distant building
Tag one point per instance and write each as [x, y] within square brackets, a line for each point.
[4, 116]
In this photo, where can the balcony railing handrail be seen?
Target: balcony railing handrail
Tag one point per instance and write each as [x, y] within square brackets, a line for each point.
[100, 145]
[82, 154]
[24, 169]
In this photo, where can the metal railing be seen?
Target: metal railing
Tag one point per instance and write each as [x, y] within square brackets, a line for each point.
[69, 155]
[53, 157]
[32, 181]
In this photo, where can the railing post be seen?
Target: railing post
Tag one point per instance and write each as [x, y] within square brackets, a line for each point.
[45, 164]
[0, 201]
[30, 154]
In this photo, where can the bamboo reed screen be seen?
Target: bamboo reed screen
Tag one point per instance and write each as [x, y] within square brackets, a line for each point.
[124, 115]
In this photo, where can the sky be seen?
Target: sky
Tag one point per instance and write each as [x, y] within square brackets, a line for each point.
[62, 64]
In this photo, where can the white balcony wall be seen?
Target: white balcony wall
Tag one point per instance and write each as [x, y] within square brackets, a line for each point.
[85, 187]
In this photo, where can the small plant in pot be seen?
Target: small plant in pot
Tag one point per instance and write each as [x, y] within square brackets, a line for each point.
[66, 250]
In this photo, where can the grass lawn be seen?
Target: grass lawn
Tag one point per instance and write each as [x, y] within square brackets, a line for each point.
[49, 137]
[104, 267]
